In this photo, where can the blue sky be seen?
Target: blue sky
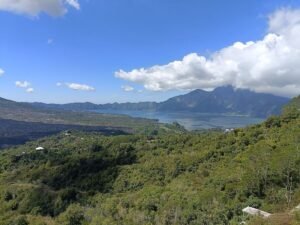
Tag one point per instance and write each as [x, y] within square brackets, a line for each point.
[89, 45]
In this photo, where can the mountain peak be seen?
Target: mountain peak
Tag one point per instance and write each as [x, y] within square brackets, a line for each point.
[226, 99]
[224, 89]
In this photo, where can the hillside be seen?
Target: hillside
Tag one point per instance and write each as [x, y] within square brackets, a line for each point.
[88, 106]
[21, 122]
[221, 100]
[14, 132]
[10, 110]
[295, 102]
[187, 178]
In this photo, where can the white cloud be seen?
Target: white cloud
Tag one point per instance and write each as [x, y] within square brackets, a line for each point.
[1, 72]
[22, 84]
[35, 7]
[25, 85]
[127, 88]
[74, 3]
[58, 84]
[29, 90]
[79, 87]
[268, 65]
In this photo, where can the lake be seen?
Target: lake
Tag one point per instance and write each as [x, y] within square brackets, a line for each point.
[192, 121]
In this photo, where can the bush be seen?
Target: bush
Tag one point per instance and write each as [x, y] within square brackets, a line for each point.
[74, 215]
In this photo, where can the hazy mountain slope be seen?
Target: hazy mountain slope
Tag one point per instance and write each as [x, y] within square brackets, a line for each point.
[91, 106]
[10, 110]
[226, 100]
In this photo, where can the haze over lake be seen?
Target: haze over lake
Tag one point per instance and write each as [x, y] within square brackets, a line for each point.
[192, 121]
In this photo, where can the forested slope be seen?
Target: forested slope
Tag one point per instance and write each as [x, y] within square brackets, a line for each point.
[186, 178]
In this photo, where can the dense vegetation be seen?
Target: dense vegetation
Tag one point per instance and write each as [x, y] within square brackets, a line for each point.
[18, 132]
[162, 178]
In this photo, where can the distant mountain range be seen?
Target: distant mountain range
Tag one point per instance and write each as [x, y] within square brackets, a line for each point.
[222, 100]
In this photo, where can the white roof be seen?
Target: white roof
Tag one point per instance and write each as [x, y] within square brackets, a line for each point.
[39, 148]
[256, 212]
[229, 130]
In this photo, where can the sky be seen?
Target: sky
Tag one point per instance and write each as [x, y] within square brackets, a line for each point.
[101, 51]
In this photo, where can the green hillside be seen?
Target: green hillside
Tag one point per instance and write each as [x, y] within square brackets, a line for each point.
[26, 112]
[187, 178]
[10, 110]
[295, 102]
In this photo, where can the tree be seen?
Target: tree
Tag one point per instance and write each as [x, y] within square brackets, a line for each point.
[74, 215]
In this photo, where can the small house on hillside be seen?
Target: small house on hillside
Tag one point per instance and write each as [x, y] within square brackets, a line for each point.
[67, 133]
[39, 148]
[256, 212]
[228, 130]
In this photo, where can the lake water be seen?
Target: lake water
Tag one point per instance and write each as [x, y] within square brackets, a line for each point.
[192, 121]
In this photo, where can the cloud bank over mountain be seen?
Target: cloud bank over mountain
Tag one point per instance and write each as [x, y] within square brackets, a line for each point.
[268, 65]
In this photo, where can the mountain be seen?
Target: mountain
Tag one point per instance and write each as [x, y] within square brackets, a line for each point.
[226, 100]
[221, 100]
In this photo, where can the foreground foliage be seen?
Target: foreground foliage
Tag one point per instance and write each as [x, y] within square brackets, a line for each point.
[164, 178]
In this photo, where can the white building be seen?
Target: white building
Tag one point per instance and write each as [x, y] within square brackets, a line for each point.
[228, 130]
[39, 148]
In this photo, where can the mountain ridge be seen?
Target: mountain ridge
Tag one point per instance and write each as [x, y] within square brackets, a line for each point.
[225, 99]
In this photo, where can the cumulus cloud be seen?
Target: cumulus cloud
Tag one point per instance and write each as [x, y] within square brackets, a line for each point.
[79, 87]
[35, 7]
[127, 88]
[1, 72]
[74, 3]
[268, 65]
[25, 85]
[22, 84]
